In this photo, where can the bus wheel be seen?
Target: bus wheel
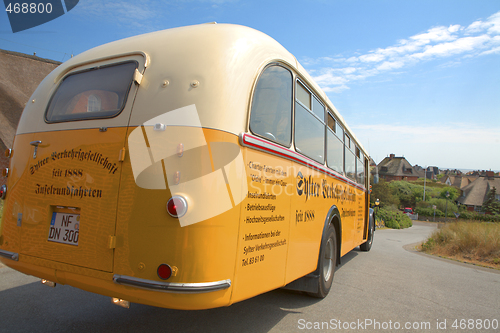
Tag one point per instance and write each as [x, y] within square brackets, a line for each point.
[327, 263]
[366, 246]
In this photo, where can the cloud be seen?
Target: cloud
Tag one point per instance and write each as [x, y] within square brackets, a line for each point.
[139, 15]
[433, 145]
[480, 38]
[388, 65]
[454, 133]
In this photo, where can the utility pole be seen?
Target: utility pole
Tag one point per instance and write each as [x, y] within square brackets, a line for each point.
[425, 177]
[446, 209]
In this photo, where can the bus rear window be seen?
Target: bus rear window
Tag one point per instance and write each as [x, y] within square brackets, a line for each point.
[99, 92]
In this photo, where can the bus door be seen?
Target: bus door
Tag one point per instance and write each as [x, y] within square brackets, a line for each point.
[74, 164]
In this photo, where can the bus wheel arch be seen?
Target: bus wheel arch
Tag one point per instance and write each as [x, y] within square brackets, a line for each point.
[338, 231]
[329, 253]
[333, 218]
[366, 246]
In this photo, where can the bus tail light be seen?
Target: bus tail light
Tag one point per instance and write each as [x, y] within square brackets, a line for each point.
[3, 191]
[177, 206]
[8, 152]
[164, 271]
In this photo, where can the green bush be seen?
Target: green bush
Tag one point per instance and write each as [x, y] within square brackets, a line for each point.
[384, 193]
[488, 218]
[468, 215]
[428, 245]
[393, 224]
[408, 194]
[396, 194]
[453, 193]
[394, 219]
[441, 205]
[429, 212]
[464, 214]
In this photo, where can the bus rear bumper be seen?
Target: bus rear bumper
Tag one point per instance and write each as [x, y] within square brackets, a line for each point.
[172, 287]
[9, 255]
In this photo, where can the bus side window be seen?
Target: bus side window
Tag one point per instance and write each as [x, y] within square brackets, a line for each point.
[309, 130]
[335, 147]
[271, 114]
[360, 170]
[350, 159]
[318, 109]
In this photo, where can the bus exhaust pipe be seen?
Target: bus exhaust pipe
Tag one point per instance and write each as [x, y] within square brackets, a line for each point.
[121, 302]
[49, 283]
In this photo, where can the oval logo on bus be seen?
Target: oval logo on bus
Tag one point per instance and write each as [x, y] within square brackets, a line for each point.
[210, 175]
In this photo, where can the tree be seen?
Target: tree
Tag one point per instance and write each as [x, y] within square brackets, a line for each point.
[384, 193]
[491, 204]
[408, 194]
[453, 193]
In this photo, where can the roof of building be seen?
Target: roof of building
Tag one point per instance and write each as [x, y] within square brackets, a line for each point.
[458, 181]
[420, 171]
[396, 166]
[20, 74]
[32, 57]
[475, 193]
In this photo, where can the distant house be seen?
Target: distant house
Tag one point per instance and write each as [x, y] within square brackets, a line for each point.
[454, 172]
[430, 172]
[420, 171]
[373, 171]
[459, 182]
[474, 194]
[396, 168]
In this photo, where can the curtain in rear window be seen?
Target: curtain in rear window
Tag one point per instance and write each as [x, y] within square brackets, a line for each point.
[99, 92]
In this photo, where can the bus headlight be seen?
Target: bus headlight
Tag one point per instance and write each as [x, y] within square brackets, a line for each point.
[177, 206]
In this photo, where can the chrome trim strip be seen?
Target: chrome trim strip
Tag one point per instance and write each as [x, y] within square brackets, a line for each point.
[147, 61]
[9, 255]
[249, 140]
[172, 287]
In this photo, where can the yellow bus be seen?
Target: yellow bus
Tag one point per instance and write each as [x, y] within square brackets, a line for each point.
[188, 168]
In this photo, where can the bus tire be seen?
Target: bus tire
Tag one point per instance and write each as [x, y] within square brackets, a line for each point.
[366, 246]
[326, 263]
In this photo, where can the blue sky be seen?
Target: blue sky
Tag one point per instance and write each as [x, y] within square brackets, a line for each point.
[419, 79]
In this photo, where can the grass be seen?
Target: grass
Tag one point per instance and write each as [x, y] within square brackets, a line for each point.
[475, 242]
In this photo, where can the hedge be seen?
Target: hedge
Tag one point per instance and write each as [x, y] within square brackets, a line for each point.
[393, 218]
[466, 215]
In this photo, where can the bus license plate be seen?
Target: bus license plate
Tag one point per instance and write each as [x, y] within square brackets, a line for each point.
[64, 228]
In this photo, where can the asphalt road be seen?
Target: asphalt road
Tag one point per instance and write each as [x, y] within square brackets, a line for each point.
[390, 286]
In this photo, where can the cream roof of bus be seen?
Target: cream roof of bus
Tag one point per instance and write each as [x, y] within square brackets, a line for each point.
[224, 59]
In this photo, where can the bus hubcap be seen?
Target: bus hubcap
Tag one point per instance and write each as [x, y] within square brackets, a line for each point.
[328, 260]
